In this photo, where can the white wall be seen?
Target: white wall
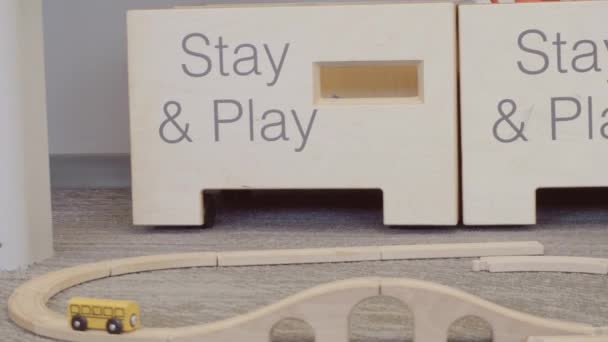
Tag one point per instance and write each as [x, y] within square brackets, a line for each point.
[25, 200]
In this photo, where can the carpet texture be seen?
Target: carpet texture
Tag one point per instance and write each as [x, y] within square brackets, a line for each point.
[93, 225]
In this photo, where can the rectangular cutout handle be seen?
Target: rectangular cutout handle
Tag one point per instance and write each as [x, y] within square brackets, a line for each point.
[369, 82]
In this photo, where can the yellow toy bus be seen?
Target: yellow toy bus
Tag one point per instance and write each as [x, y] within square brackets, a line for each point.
[114, 316]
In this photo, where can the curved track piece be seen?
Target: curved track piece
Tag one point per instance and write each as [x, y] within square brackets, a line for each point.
[326, 308]
[542, 264]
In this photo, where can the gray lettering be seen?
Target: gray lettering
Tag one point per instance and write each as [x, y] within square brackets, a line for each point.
[590, 113]
[304, 133]
[558, 50]
[280, 123]
[520, 43]
[604, 128]
[251, 135]
[220, 48]
[555, 119]
[592, 54]
[188, 51]
[216, 115]
[252, 59]
[275, 68]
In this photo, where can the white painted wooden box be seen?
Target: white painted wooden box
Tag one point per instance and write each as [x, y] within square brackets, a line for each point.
[534, 107]
[294, 97]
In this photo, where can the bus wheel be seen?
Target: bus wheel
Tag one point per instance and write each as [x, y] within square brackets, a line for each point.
[79, 323]
[114, 326]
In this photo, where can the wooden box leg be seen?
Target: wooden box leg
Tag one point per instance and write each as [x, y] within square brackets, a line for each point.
[435, 207]
[169, 207]
[492, 206]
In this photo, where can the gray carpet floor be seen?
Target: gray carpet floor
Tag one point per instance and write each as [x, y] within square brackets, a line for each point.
[92, 225]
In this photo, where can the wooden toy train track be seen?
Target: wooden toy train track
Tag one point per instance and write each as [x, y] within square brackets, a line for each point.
[326, 308]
